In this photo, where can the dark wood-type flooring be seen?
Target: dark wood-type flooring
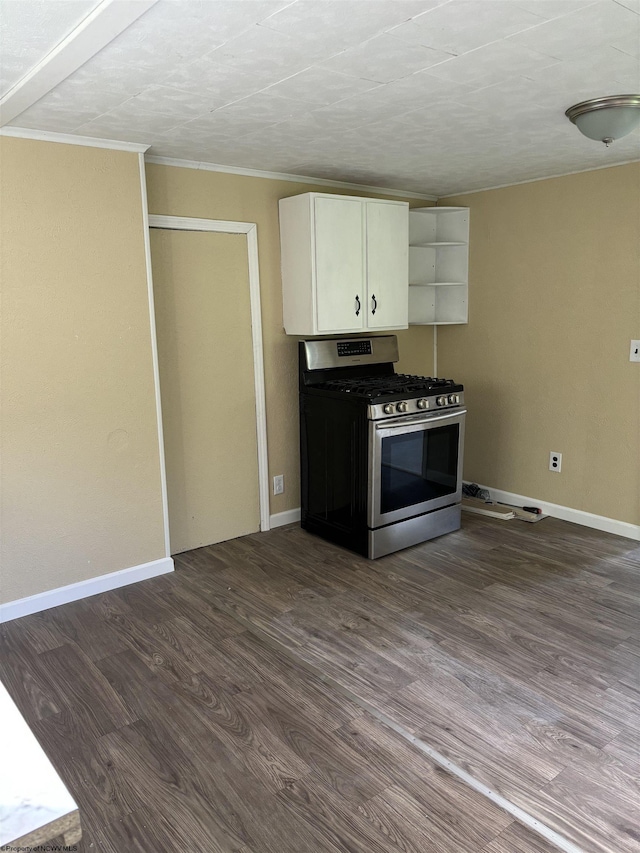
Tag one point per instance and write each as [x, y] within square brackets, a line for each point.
[232, 705]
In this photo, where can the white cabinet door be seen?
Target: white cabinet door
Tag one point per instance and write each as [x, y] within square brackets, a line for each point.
[340, 265]
[387, 265]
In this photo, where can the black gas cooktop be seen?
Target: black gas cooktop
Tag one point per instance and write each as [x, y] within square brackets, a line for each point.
[370, 387]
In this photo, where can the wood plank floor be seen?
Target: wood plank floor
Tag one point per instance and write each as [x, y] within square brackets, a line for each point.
[233, 705]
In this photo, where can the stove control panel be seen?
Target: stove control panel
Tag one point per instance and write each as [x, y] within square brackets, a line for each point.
[421, 405]
[350, 348]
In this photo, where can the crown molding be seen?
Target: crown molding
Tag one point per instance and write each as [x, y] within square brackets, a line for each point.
[72, 139]
[282, 176]
[535, 180]
[108, 20]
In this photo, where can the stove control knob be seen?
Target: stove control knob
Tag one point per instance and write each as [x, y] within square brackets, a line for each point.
[402, 407]
[388, 409]
[423, 403]
[453, 398]
[441, 401]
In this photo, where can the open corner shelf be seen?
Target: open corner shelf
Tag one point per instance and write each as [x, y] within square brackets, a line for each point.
[438, 265]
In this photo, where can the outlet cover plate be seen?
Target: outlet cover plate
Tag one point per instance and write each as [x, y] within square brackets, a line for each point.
[555, 461]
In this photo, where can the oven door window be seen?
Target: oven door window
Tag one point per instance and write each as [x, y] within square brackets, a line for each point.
[418, 466]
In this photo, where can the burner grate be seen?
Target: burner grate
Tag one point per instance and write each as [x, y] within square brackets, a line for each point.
[379, 386]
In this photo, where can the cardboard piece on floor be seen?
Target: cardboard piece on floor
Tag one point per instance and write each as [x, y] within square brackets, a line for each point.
[501, 511]
[492, 510]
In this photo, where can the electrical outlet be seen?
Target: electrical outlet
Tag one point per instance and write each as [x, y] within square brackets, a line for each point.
[634, 352]
[555, 461]
[278, 484]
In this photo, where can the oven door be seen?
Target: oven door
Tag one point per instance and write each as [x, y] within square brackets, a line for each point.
[415, 465]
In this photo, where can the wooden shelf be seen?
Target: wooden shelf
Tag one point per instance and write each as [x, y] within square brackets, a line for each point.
[439, 323]
[440, 211]
[437, 284]
[435, 245]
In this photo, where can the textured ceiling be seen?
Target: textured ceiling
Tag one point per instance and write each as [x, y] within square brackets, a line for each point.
[29, 30]
[428, 96]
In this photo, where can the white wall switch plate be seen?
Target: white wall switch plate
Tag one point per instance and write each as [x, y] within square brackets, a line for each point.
[634, 352]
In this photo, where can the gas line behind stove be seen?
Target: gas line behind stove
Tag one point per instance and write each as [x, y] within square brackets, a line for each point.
[380, 452]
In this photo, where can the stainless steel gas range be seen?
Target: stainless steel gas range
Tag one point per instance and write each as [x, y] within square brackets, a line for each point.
[380, 452]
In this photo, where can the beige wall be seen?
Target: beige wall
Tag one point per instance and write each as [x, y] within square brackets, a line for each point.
[80, 465]
[175, 191]
[554, 299]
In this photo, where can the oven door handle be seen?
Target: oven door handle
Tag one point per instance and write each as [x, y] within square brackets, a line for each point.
[413, 420]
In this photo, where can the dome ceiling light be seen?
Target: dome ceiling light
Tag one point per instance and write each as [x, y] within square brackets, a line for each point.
[606, 119]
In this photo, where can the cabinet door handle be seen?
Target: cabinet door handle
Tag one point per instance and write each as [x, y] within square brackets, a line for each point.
[357, 305]
[374, 304]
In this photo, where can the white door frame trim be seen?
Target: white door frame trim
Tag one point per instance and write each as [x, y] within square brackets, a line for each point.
[183, 223]
[154, 354]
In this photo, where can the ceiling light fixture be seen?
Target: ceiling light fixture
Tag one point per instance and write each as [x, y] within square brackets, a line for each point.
[606, 119]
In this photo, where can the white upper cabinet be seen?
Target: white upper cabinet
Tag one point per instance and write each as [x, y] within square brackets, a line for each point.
[344, 264]
[340, 264]
[387, 265]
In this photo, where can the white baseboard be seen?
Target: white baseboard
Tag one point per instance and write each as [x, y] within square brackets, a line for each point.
[566, 513]
[286, 517]
[83, 589]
